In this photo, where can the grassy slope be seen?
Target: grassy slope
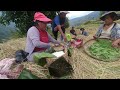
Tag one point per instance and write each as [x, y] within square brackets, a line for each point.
[84, 66]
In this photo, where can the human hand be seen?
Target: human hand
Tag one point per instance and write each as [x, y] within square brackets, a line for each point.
[95, 37]
[56, 28]
[51, 44]
[56, 45]
[73, 37]
[72, 40]
[62, 25]
[115, 43]
[65, 39]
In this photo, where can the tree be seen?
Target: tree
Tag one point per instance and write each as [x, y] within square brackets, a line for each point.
[67, 23]
[22, 19]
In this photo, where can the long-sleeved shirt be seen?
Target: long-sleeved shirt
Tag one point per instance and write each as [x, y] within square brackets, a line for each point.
[115, 31]
[33, 40]
[106, 33]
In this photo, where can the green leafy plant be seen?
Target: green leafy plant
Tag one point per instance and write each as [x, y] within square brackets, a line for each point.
[68, 36]
[70, 52]
[104, 50]
[26, 74]
[40, 58]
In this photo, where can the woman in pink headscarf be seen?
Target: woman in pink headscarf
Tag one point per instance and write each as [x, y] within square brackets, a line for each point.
[38, 39]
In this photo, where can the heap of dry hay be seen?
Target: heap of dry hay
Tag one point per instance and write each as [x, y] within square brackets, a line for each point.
[8, 49]
[37, 70]
[84, 66]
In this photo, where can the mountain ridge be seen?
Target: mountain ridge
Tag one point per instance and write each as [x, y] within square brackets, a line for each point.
[77, 21]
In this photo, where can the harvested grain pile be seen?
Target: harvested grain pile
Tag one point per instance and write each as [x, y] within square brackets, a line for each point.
[36, 70]
[8, 49]
[86, 67]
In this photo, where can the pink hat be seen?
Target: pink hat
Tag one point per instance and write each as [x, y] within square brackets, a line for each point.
[41, 17]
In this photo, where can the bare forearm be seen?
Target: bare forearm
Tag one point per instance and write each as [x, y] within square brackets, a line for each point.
[59, 28]
[61, 32]
[117, 40]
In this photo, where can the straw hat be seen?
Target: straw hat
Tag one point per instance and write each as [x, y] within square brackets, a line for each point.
[109, 13]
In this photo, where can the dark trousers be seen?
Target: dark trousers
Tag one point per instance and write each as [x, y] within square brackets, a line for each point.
[55, 33]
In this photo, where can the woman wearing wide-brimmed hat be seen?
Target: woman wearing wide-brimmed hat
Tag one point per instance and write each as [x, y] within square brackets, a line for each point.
[38, 39]
[109, 29]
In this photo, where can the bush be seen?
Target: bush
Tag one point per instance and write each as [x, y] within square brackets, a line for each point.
[93, 22]
[88, 22]
[49, 30]
[17, 34]
[22, 19]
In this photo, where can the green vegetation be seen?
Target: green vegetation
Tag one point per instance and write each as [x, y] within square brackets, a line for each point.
[22, 19]
[93, 22]
[84, 66]
[26, 74]
[5, 31]
[40, 58]
[67, 23]
[104, 50]
[68, 37]
[79, 20]
[70, 50]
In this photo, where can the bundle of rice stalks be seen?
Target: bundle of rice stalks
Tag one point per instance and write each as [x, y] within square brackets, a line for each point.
[37, 70]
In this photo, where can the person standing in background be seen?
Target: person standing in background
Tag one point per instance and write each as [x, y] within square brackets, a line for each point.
[58, 24]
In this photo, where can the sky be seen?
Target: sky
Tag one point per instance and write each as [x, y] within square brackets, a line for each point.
[74, 14]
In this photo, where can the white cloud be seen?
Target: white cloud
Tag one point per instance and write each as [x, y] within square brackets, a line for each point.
[74, 14]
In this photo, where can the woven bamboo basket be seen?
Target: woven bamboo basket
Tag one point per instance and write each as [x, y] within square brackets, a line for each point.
[86, 46]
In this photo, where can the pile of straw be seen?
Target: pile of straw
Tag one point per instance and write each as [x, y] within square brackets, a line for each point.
[86, 67]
